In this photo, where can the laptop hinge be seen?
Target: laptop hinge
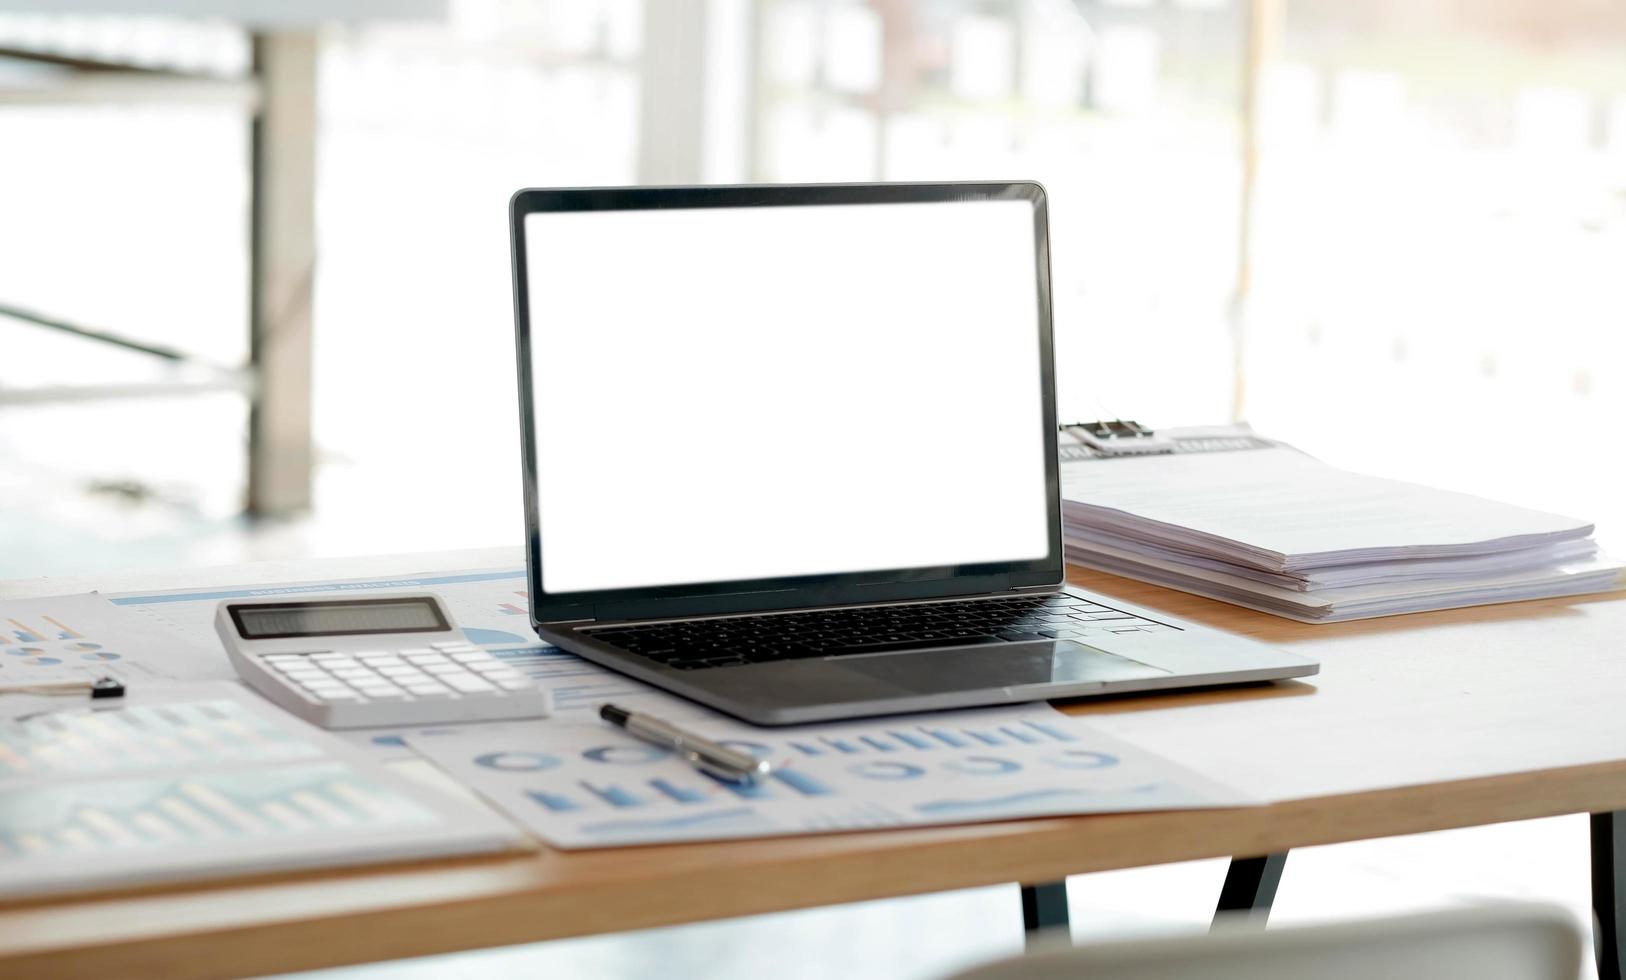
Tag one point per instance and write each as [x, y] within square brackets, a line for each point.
[1034, 588]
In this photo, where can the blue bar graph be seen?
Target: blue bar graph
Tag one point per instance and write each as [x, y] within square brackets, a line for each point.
[947, 738]
[908, 739]
[806, 749]
[1054, 733]
[613, 795]
[801, 782]
[553, 801]
[679, 793]
[1018, 734]
[876, 743]
[840, 745]
[749, 791]
[984, 738]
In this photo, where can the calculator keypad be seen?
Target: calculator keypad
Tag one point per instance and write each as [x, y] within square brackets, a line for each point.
[442, 672]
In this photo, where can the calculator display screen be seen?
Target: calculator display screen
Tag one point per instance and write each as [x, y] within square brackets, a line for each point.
[292, 619]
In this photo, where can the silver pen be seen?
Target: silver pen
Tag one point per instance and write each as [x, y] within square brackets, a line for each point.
[702, 753]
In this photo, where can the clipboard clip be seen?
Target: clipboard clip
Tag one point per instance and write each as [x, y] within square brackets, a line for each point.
[1119, 437]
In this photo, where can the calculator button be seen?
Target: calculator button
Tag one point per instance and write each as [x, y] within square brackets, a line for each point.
[470, 656]
[305, 675]
[393, 694]
[451, 645]
[352, 673]
[436, 693]
[347, 696]
[415, 651]
[284, 658]
[443, 669]
[380, 659]
[469, 685]
[400, 670]
[498, 676]
[328, 655]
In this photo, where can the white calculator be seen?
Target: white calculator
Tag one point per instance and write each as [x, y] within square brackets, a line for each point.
[394, 659]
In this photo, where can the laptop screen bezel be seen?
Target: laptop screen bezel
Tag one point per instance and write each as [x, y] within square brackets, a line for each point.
[800, 591]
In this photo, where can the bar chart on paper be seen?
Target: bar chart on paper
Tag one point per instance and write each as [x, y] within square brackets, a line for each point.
[589, 785]
[193, 780]
[60, 820]
[143, 737]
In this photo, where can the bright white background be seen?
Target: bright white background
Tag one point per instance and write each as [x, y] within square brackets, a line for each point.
[741, 393]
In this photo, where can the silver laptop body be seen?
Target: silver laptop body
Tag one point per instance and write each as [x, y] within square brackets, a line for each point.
[790, 451]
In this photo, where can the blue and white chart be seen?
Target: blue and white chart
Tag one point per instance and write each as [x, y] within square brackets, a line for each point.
[586, 784]
[203, 780]
[83, 637]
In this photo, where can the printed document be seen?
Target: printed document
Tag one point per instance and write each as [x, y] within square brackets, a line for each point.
[585, 783]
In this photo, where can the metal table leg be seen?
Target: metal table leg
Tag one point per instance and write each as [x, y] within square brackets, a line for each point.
[1609, 892]
[1250, 887]
[1044, 907]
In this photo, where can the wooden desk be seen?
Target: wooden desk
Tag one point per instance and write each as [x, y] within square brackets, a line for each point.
[1416, 723]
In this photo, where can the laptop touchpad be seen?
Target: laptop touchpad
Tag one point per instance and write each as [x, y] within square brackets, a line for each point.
[998, 665]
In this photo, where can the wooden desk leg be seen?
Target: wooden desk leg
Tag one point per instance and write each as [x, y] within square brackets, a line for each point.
[1250, 887]
[1044, 907]
[1609, 892]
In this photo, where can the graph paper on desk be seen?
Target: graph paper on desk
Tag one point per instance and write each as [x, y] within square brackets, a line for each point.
[582, 784]
[81, 637]
[194, 781]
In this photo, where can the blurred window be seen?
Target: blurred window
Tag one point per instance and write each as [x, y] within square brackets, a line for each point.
[1129, 113]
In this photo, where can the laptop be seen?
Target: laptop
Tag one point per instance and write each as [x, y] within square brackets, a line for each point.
[790, 452]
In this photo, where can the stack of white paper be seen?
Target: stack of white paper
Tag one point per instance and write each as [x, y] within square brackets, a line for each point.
[1273, 529]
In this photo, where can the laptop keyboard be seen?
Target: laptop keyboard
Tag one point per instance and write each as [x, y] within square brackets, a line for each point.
[735, 641]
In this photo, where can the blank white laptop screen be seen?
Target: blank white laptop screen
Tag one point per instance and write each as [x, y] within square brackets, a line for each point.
[748, 393]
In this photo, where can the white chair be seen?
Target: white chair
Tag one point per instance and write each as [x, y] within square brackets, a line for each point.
[1497, 942]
